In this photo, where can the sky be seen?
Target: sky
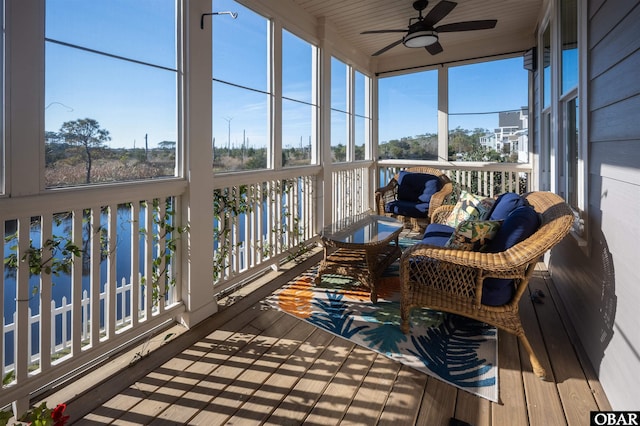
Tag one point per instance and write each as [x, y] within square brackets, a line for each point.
[131, 100]
[474, 91]
[124, 97]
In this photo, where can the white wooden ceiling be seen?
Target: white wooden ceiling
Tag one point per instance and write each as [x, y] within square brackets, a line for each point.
[515, 30]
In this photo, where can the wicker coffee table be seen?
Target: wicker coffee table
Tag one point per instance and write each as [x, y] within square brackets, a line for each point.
[362, 247]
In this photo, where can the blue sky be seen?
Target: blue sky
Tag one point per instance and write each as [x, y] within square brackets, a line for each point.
[474, 90]
[124, 97]
[131, 100]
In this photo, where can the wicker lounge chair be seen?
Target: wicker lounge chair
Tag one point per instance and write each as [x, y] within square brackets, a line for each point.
[452, 280]
[418, 221]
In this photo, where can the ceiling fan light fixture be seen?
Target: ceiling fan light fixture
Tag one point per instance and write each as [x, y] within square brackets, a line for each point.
[420, 38]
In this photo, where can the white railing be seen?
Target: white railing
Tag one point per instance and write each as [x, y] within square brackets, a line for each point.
[488, 179]
[63, 312]
[351, 190]
[260, 219]
[117, 231]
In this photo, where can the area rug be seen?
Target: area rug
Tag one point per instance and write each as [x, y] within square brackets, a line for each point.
[454, 349]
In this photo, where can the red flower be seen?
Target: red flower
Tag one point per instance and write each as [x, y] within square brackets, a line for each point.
[59, 419]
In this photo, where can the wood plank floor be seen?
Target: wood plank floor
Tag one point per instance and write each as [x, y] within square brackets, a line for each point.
[250, 365]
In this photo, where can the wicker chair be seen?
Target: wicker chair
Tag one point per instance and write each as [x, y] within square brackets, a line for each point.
[451, 280]
[389, 193]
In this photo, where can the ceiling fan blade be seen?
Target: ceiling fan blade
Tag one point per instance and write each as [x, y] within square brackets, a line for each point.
[434, 48]
[438, 12]
[384, 49]
[383, 31]
[467, 26]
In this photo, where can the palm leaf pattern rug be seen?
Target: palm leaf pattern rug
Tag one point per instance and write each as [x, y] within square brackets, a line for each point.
[457, 350]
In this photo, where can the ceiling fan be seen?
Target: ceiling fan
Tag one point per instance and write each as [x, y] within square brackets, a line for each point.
[422, 32]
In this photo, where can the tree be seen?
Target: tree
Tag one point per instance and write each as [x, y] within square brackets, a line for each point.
[169, 145]
[85, 133]
[339, 153]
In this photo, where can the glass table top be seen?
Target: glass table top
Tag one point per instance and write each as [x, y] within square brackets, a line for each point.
[365, 228]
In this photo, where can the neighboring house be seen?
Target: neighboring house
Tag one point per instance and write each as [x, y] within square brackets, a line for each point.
[511, 135]
[489, 141]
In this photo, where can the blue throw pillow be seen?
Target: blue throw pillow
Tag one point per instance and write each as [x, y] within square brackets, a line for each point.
[505, 204]
[431, 186]
[417, 187]
[518, 226]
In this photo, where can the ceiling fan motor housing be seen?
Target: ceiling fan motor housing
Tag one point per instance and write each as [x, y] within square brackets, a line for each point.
[420, 38]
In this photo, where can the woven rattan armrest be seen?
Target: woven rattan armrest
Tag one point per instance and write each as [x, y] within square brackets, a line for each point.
[441, 213]
[499, 262]
[389, 187]
[385, 194]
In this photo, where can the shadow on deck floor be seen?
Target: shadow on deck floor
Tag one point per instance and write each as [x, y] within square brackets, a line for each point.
[248, 364]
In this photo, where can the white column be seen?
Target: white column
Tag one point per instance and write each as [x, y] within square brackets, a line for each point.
[443, 113]
[275, 79]
[324, 184]
[371, 97]
[197, 204]
[24, 131]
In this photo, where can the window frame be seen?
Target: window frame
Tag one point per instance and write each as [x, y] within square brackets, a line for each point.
[555, 138]
[364, 117]
[501, 132]
[335, 110]
[273, 104]
[3, 151]
[178, 75]
[315, 96]
[350, 113]
[439, 78]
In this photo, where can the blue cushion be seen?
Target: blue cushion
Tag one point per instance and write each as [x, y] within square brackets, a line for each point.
[497, 291]
[505, 204]
[431, 186]
[407, 208]
[437, 234]
[518, 226]
[417, 187]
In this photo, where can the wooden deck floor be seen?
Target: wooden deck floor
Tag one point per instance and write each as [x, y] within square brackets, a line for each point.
[252, 365]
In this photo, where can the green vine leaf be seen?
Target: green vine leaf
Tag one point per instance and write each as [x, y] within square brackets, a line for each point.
[160, 272]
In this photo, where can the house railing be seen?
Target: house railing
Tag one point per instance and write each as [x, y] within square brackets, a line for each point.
[350, 189]
[487, 179]
[72, 248]
[60, 333]
[261, 219]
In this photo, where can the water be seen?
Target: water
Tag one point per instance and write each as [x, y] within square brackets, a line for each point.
[61, 283]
